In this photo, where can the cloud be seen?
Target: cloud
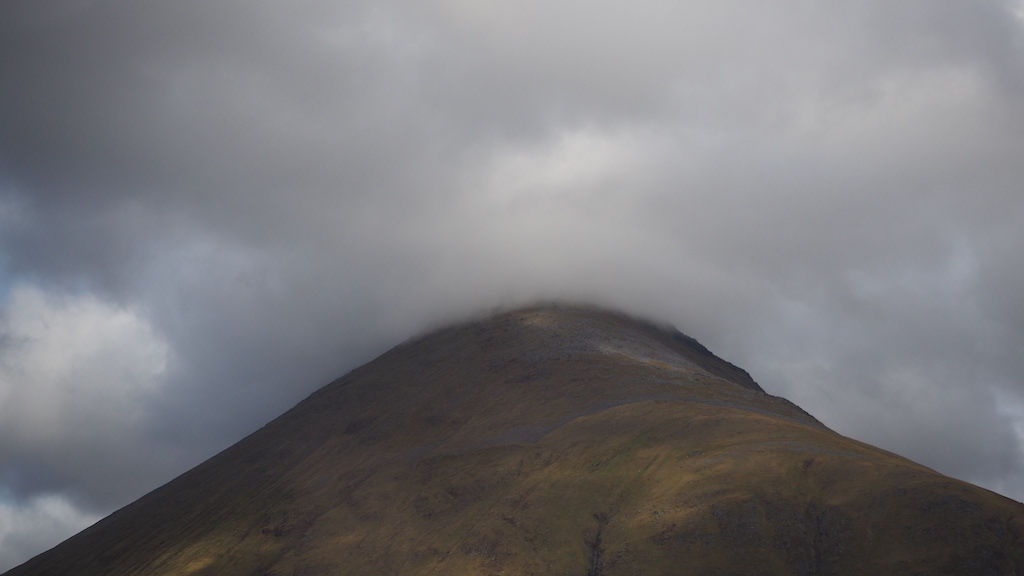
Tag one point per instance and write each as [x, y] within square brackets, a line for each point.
[223, 205]
[76, 376]
[28, 528]
[893, 372]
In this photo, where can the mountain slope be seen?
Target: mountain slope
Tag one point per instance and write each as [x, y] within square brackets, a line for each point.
[551, 440]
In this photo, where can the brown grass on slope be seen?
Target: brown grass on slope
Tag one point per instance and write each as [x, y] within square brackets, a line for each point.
[552, 440]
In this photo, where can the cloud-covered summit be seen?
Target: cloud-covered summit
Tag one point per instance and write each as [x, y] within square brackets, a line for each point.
[209, 209]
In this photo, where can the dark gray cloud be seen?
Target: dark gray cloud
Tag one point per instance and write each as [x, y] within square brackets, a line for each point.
[210, 209]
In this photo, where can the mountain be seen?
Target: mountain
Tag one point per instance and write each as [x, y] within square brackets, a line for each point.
[561, 440]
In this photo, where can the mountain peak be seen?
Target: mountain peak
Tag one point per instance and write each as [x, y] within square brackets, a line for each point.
[552, 439]
[521, 373]
[588, 330]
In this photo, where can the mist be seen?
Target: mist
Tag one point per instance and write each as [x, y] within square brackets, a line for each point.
[208, 210]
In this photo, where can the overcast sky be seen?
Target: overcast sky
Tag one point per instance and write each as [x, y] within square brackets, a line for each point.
[211, 208]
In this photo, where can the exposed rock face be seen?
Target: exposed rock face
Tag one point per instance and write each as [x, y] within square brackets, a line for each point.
[552, 440]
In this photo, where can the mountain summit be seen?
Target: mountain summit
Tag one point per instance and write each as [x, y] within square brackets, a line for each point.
[559, 440]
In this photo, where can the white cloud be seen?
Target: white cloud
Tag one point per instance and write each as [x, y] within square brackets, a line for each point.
[78, 378]
[1017, 7]
[67, 361]
[580, 165]
[30, 527]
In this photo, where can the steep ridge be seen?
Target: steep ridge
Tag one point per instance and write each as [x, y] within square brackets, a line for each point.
[550, 440]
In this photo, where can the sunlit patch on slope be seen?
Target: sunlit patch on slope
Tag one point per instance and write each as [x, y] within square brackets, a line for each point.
[641, 353]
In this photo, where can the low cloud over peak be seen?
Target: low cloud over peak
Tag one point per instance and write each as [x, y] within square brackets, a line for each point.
[210, 209]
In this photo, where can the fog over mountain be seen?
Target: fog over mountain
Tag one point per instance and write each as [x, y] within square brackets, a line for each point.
[209, 209]
[550, 439]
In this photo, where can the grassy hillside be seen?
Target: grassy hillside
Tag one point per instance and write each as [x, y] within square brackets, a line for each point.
[554, 440]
